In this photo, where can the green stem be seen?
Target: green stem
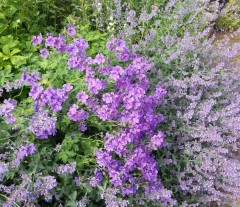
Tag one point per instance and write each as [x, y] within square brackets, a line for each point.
[19, 93]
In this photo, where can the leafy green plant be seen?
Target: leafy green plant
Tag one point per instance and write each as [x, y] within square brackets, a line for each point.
[18, 25]
[10, 54]
[231, 19]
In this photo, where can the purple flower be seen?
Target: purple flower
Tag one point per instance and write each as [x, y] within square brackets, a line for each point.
[82, 97]
[37, 40]
[95, 85]
[26, 150]
[44, 53]
[82, 127]
[132, 189]
[120, 49]
[50, 40]
[98, 175]
[76, 181]
[157, 140]
[36, 91]
[99, 59]
[23, 152]
[160, 92]
[71, 30]
[30, 79]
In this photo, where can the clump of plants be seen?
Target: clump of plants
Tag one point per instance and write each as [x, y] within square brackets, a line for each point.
[92, 138]
[18, 25]
[229, 17]
[146, 117]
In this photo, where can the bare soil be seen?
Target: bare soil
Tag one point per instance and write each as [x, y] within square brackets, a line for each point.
[233, 39]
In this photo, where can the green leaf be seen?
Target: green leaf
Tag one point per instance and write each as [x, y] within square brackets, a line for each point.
[81, 162]
[88, 146]
[15, 51]
[3, 56]
[6, 50]
[18, 60]
[62, 156]
[70, 153]
[71, 204]
[73, 195]
[8, 40]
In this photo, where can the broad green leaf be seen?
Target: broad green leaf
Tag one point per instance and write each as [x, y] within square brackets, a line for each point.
[15, 51]
[18, 60]
[3, 56]
[81, 162]
[6, 50]
[8, 40]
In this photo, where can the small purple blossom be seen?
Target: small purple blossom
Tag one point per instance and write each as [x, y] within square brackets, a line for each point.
[50, 40]
[82, 127]
[99, 59]
[37, 40]
[82, 97]
[76, 181]
[44, 53]
[157, 140]
[71, 30]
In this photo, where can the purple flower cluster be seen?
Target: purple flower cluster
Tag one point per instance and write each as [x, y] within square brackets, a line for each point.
[127, 153]
[23, 152]
[44, 186]
[54, 98]
[30, 78]
[83, 202]
[3, 169]
[6, 110]
[66, 169]
[43, 125]
[111, 199]
[97, 179]
[77, 115]
[19, 83]
[120, 49]
[208, 113]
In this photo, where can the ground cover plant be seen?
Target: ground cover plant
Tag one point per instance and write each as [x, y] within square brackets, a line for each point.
[131, 105]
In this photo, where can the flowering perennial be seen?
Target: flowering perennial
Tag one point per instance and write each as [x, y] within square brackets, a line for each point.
[117, 94]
